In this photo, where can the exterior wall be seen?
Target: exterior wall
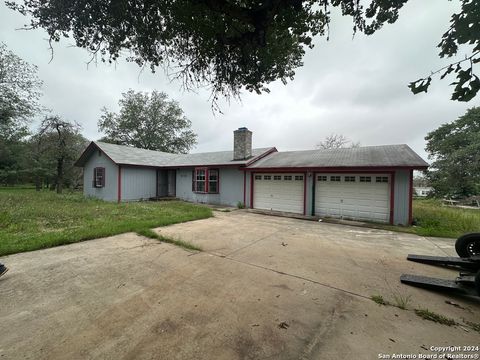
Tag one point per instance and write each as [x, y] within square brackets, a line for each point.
[138, 183]
[401, 197]
[110, 190]
[230, 187]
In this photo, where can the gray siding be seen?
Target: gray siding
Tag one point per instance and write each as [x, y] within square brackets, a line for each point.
[401, 197]
[138, 183]
[231, 187]
[109, 192]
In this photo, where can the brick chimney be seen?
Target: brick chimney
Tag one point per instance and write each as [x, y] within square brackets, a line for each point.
[242, 144]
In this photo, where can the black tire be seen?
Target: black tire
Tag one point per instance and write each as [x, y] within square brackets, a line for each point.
[468, 245]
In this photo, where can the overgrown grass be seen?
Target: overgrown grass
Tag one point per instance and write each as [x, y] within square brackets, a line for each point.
[153, 235]
[434, 219]
[31, 220]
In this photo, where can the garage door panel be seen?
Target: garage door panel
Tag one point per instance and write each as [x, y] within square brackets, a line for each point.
[353, 199]
[280, 195]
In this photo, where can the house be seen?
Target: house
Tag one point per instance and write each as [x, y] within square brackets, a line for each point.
[422, 191]
[372, 183]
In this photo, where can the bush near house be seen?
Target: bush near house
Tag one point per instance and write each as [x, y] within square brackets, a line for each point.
[31, 220]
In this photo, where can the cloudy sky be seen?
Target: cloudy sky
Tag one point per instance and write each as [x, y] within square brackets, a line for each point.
[351, 86]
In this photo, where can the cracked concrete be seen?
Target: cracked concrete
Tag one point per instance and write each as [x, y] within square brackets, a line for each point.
[128, 297]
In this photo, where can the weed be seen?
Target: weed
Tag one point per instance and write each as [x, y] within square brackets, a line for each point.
[153, 235]
[379, 300]
[240, 205]
[402, 301]
[430, 315]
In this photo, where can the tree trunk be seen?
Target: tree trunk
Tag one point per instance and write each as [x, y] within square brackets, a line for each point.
[59, 175]
[38, 183]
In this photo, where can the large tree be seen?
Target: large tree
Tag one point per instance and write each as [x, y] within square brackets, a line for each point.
[455, 149]
[148, 121]
[229, 44]
[19, 95]
[56, 146]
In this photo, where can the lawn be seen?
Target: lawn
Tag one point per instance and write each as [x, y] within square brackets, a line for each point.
[31, 220]
[434, 219]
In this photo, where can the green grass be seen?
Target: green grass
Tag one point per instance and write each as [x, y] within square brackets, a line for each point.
[434, 219]
[31, 220]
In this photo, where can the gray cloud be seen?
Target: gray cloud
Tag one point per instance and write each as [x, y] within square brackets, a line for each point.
[356, 87]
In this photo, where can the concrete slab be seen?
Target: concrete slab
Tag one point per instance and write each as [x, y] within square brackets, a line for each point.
[128, 297]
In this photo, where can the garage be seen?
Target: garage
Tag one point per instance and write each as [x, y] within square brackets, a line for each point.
[353, 196]
[279, 192]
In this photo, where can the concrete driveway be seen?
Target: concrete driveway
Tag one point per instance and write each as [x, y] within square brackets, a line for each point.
[264, 288]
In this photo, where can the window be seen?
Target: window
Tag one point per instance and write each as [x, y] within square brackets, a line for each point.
[213, 181]
[365, 179]
[205, 180]
[322, 178]
[267, 177]
[335, 178]
[298, 177]
[99, 177]
[349, 178]
[381, 179]
[287, 177]
[200, 176]
[277, 177]
[258, 177]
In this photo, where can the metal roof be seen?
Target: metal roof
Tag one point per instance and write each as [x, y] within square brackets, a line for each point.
[367, 156]
[127, 155]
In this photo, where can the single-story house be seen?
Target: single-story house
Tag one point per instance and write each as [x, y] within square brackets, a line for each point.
[422, 191]
[372, 183]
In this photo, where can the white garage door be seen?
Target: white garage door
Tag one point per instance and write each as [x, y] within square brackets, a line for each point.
[353, 196]
[280, 192]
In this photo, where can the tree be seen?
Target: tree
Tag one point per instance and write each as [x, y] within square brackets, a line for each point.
[336, 141]
[455, 149]
[19, 94]
[229, 45]
[148, 121]
[58, 144]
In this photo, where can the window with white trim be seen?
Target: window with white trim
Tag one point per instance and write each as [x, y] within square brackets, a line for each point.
[335, 178]
[322, 178]
[99, 177]
[258, 177]
[267, 177]
[349, 178]
[365, 179]
[298, 177]
[277, 177]
[287, 177]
